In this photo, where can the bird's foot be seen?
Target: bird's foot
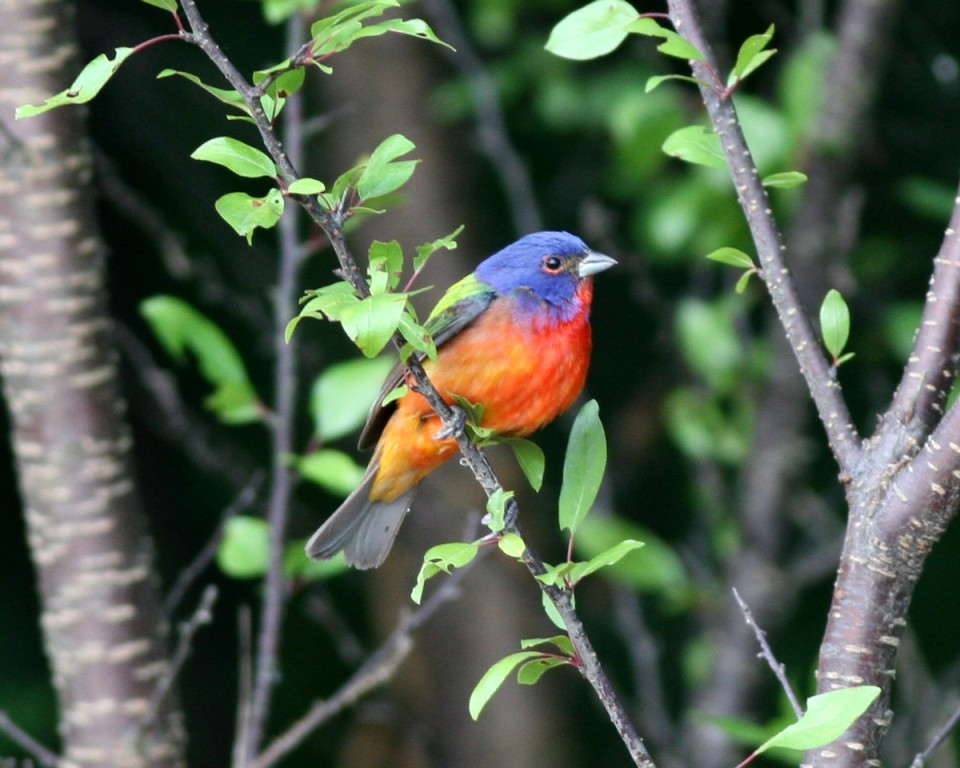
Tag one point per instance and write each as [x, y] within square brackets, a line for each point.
[456, 427]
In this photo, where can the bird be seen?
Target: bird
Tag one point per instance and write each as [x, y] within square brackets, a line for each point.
[514, 337]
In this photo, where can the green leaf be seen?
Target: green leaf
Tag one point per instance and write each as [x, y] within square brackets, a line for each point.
[334, 471]
[493, 678]
[827, 717]
[732, 257]
[744, 279]
[604, 560]
[341, 396]
[592, 31]
[225, 95]
[497, 508]
[551, 611]
[244, 551]
[695, 144]
[512, 545]
[657, 80]
[242, 159]
[88, 84]
[245, 213]
[834, 322]
[752, 55]
[531, 671]
[583, 467]
[383, 173]
[562, 642]
[296, 564]
[425, 251]
[410, 27]
[166, 5]
[385, 265]
[371, 322]
[306, 186]
[530, 458]
[785, 180]
[416, 335]
[658, 570]
[440, 559]
[672, 45]
[181, 329]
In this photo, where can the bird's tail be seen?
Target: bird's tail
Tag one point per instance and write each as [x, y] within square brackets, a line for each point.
[362, 528]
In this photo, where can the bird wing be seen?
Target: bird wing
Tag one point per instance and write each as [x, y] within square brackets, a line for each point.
[462, 303]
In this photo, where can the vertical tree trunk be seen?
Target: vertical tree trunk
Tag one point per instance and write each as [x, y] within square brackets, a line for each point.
[102, 625]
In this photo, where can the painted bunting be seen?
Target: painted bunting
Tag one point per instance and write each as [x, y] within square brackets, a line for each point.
[514, 337]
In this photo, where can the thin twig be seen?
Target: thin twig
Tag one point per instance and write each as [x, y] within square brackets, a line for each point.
[378, 669]
[192, 572]
[27, 743]
[766, 653]
[188, 630]
[285, 388]
[244, 686]
[938, 738]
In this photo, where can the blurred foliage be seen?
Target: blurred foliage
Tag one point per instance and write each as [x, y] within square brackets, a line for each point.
[680, 358]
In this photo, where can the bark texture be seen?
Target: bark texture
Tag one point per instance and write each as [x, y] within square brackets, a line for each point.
[102, 625]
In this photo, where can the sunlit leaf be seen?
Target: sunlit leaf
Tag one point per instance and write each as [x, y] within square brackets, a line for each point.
[494, 677]
[695, 144]
[583, 466]
[785, 180]
[441, 559]
[245, 213]
[752, 55]
[827, 717]
[732, 257]
[87, 85]
[240, 158]
[594, 30]
[225, 95]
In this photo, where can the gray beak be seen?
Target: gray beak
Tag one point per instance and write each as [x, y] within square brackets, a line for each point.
[593, 263]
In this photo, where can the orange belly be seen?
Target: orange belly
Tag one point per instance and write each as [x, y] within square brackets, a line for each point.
[523, 376]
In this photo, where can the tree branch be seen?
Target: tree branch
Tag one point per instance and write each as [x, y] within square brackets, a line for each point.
[817, 371]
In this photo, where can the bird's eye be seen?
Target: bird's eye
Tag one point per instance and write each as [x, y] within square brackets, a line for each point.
[552, 264]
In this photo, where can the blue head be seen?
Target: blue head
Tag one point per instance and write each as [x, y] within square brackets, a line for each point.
[544, 268]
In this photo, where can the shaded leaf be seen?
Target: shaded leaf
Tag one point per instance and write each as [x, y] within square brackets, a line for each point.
[603, 560]
[244, 551]
[342, 395]
[383, 172]
[181, 329]
[530, 672]
[371, 322]
[583, 466]
[334, 471]
[530, 458]
[834, 322]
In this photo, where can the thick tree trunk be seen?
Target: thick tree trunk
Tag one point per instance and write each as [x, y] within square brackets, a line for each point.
[101, 620]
